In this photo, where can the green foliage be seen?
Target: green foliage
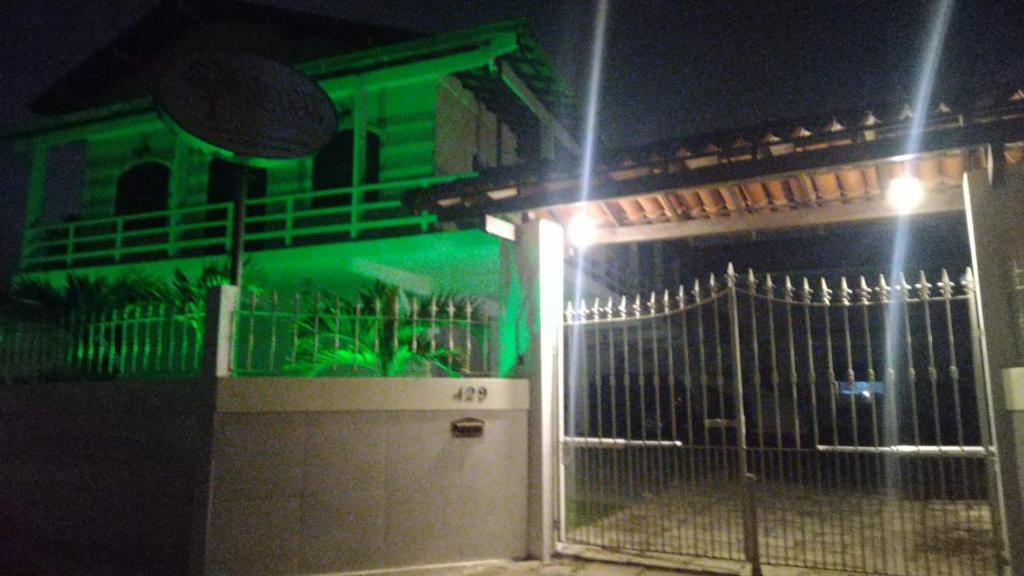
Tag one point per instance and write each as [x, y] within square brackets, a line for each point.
[384, 331]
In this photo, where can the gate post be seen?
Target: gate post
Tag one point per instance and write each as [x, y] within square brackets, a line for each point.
[995, 223]
[539, 273]
[748, 482]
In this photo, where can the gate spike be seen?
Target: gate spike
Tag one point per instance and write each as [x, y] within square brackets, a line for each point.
[787, 289]
[666, 301]
[923, 287]
[883, 290]
[596, 308]
[622, 307]
[568, 312]
[652, 303]
[730, 276]
[805, 291]
[751, 280]
[844, 292]
[945, 285]
[696, 290]
[826, 294]
[582, 311]
[636, 305]
[902, 286]
[769, 287]
[681, 298]
[713, 283]
[611, 308]
[863, 291]
[968, 281]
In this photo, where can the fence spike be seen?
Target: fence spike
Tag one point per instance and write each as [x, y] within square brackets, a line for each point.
[636, 306]
[751, 280]
[730, 276]
[769, 287]
[681, 298]
[569, 312]
[582, 311]
[610, 309]
[945, 285]
[652, 304]
[596, 308]
[924, 289]
[968, 281]
[696, 291]
[883, 289]
[902, 286]
[844, 291]
[805, 291]
[666, 301]
[826, 293]
[787, 289]
[713, 283]
[622, 307]
[863, 291]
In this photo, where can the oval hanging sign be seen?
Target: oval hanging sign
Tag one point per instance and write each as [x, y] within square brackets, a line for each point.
[246, 108]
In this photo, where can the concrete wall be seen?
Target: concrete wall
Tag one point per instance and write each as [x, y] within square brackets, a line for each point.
[100, 478]
[335, 475]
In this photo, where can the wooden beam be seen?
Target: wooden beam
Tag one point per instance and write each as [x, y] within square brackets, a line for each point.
[946, 201]
[523, 92]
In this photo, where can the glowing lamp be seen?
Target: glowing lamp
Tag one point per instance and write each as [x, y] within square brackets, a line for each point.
[582, 230]
[905, 193]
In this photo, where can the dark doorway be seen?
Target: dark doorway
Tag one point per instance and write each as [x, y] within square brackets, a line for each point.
[140, 189]
[226, 177]
[333, 167]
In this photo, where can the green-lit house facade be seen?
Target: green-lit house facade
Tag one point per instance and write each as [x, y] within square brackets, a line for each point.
[413, 113]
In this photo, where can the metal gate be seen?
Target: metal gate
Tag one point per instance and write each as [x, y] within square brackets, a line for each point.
[781, 422]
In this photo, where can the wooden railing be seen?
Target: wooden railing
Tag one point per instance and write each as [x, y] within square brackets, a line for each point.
[271, 222]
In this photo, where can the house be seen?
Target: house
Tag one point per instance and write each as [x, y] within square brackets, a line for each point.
[414, 111]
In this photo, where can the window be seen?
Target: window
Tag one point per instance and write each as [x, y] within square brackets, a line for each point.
[332, 168]
[141, 189]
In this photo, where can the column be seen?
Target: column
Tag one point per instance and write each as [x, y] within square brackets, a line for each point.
[531, 348]
[995, 220]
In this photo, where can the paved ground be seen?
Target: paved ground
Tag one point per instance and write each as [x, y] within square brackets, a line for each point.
[561, 567]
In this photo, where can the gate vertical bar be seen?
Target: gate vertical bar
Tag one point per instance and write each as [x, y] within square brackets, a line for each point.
[994, 486]
[747, 480]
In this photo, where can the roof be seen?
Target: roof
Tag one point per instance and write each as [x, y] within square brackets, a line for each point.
[119, 77]
[125, 68]
[794, 165]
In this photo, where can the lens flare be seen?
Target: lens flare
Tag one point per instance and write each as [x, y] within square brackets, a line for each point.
[582, 230]
[905, 193]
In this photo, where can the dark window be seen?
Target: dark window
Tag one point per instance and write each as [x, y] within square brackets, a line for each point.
[332, 168]
[140, 189]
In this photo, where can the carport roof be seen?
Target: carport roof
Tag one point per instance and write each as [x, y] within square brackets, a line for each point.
[809, 171]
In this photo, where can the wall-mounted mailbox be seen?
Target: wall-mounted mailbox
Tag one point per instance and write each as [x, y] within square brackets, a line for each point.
[467, 428]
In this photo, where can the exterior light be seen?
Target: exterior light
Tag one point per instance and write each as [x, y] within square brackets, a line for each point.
[582, 230]
[905, 193]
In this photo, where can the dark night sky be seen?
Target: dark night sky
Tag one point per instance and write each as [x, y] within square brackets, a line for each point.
[673, 68]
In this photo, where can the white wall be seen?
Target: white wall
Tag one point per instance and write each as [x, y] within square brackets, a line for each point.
[330, 482]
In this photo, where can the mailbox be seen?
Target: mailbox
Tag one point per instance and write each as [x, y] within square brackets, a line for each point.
[467, 428]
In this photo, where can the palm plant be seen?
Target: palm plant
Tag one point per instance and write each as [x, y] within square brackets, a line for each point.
[384, 331]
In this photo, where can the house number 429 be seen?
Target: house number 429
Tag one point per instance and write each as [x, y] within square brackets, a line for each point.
[470, 394]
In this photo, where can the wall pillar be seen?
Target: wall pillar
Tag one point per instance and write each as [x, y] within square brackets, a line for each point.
[532, 349]
[995, 219]
[217, 348]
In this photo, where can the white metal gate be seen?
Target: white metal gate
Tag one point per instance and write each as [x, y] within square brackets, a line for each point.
[785, 423]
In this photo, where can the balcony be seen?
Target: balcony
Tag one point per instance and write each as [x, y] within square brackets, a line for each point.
[277, 221]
